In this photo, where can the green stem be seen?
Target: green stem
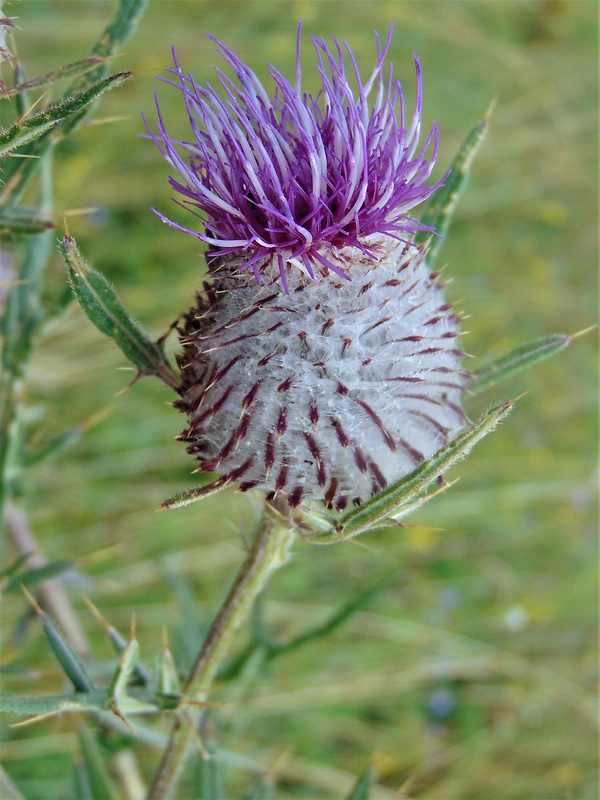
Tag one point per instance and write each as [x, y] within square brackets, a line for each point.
[268, 552]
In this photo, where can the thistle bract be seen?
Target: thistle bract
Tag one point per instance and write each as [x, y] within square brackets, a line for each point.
[320, 362]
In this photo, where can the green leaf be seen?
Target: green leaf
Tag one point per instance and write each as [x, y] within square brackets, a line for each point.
[98, 776]
[68, 659]
[193, 495]
[360, 790]
[442, 204]
[168, 678]
[34, 576]
[67, 71]
[208, 778]
[23, 222]
[125, 669]
[23, 312]
[26, 129]
[44, 705]
[333, 623]
[104, 309]
[20, 134]
[523, 356]
[116, 34]
[56, 445]
[120, 644]
[397, 498]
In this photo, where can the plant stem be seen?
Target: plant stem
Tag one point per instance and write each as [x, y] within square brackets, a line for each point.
[51, 592]
[268, 552]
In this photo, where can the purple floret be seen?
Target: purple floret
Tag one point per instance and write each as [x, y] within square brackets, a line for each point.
[293, 175]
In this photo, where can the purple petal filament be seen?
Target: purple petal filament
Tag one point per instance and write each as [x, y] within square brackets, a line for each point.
[284, 178]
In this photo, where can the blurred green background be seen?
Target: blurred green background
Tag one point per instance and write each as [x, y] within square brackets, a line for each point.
[473, 674]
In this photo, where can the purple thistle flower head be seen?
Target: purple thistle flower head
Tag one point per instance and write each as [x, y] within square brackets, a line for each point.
[288, 177]
[352, 378]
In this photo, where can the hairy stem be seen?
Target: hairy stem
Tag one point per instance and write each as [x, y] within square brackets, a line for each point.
[268, 552]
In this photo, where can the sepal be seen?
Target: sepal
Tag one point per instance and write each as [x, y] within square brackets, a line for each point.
[104, 309]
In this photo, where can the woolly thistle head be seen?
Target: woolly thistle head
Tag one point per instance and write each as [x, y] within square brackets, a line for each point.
[320, 361]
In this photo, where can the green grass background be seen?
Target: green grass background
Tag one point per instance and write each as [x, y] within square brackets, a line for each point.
[494, 600]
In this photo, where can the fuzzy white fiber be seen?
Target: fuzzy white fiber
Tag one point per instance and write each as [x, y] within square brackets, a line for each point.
[327, 393]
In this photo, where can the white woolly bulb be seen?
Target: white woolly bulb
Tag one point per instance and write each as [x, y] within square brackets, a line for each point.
[327, 393]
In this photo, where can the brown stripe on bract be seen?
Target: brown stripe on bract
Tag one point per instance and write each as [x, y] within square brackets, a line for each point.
[416, 456]
[341, 434]
[237, 473]
[282, 421]
[331, 492]
[380, 481]
[360, 460]
[269, 453]
[282, 477]
[285, 385]
[422, 416]
[316, 454]
[387, 436]
[250, 397]
[295, 498]
[313, 411]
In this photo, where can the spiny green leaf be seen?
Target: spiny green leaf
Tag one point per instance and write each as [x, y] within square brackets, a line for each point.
[32, 577]
[104, 309]
[56, 445]
[18, 135]
[68, 659]
[395, 498]
[168, 679]
[24, 313]
[97, 773]
[125, 669]
[360, 790]
[23, 222]
[44, 705]
[116, 34]
[193, 495]
[440, 209]
[333, 623]
[523, 356]
[120, 644]
[67, 71]
[26, 129]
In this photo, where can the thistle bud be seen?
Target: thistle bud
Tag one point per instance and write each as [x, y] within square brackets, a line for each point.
[320, 361]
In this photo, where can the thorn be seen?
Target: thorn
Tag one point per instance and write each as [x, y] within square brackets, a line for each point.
[37, 718]
[31, 107]
[488, 113]
[164, 639]
[132, 629]
[581, 333]
[96, 418]
[97, 614]
[120, 716]
[75, 212]
[516, 399]
[203, 703]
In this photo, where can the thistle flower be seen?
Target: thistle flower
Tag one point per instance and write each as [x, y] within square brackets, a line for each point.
[320, 361]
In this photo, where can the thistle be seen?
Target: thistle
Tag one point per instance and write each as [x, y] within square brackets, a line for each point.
[320, 362]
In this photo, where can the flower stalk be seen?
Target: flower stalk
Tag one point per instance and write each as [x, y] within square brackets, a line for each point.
[269, 551]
